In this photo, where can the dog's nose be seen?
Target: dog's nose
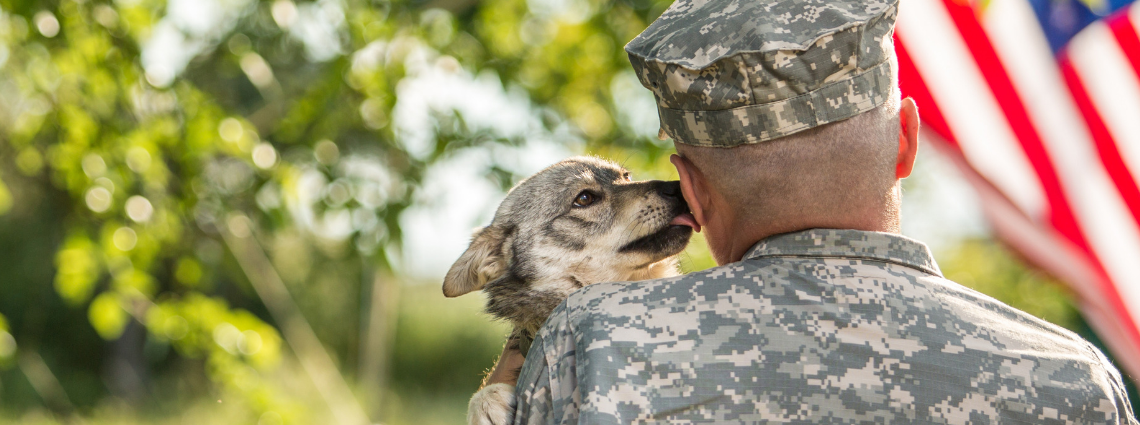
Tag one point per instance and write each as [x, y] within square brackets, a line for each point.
[670, 190]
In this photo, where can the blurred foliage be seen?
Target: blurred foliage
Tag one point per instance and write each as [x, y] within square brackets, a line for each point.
[444, 347]
[135, 133]
[7, 344]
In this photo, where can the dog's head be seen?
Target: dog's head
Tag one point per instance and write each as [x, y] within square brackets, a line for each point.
[580, 221]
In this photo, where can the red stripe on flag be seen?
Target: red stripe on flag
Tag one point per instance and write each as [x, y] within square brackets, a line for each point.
[1125, 32]
[1060, 212]
[1106, 146]
[911, 84]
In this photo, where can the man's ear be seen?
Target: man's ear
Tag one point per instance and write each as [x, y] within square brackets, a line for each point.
[481, 263]
[908, 138]
[692, 187]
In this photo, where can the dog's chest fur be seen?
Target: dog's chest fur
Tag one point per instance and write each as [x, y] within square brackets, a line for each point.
[525, 297]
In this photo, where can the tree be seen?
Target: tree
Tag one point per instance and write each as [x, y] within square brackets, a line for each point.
[152, 149]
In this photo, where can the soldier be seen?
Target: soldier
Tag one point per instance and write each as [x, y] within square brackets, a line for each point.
[792, 139]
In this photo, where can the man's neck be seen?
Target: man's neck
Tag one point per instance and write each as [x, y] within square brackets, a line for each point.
[745, 237]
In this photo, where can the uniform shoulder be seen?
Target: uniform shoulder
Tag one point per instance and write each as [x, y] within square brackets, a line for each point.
[981, 308]
[611, 296]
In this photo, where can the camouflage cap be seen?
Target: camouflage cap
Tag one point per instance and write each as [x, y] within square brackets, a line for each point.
[732, 72]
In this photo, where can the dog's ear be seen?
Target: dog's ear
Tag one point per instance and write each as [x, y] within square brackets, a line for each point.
[481, 263]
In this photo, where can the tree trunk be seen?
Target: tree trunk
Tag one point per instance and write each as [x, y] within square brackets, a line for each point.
[377, 335]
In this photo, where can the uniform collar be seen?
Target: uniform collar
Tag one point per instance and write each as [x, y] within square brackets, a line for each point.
[855, 244]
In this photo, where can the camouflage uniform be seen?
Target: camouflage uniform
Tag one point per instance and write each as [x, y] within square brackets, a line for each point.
[819, 326]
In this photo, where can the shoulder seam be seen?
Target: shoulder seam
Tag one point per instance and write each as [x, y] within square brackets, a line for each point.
[853, 257]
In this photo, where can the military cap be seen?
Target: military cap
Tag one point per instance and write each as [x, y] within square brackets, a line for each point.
[732, 72]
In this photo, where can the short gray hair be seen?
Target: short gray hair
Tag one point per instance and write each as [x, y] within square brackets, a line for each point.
[837, 168]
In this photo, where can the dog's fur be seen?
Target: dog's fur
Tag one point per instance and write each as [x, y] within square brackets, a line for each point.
[579, 222]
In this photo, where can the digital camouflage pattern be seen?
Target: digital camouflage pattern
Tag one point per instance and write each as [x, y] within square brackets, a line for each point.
[819, 326]
[731, 72]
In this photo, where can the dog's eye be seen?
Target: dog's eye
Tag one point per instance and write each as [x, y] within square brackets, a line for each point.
[584, 199]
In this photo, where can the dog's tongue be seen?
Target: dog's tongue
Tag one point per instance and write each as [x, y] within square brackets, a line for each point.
[686, 219]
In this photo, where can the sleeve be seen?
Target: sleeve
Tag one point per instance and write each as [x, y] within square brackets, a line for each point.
[548, 385]
[1127, 415]
[1123, 406]
[534, 401]
[1124, 413]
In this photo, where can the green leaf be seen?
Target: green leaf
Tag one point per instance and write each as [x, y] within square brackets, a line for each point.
[188, 272]
[77, 269]
[5, 198]
[7, 350]
[129, 281]
[107, 315]
[7, 345]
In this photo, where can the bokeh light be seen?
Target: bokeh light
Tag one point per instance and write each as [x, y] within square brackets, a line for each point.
[139, 209]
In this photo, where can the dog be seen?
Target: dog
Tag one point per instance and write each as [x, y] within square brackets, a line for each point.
[578, 222]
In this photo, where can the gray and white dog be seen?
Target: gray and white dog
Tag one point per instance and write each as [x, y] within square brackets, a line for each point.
[578, 222]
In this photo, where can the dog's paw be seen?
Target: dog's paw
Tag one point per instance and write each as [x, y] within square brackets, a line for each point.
[492, 405]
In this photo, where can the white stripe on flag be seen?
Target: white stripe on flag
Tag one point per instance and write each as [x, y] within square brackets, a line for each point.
[1106, 74]
[953, 78]
[1109, 225]
[1134, 16]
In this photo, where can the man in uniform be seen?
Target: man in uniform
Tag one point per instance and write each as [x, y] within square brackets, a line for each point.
[792, 139]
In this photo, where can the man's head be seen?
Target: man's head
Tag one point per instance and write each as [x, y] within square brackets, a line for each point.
[842, 175]
[786, 114]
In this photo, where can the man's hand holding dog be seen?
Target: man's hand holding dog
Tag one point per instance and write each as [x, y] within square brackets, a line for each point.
[494, 404]
[506, 371]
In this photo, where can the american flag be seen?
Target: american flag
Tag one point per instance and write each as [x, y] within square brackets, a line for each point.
[1038, 102]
